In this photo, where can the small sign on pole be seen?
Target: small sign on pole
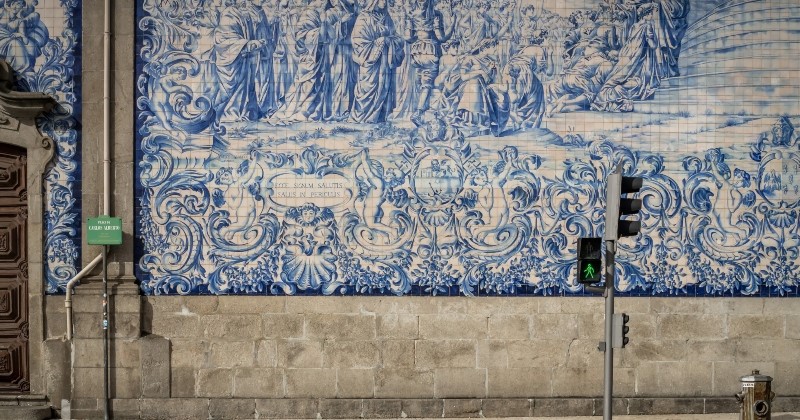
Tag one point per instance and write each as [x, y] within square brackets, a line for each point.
[104, 230]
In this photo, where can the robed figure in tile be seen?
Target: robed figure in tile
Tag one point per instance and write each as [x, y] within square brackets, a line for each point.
[310, 96]
[378, 51]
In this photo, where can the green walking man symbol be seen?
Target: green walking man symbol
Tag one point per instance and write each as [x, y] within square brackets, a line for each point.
[589, 271]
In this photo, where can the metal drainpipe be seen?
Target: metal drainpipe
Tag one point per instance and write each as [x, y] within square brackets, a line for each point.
[70, 285]
[106, 209]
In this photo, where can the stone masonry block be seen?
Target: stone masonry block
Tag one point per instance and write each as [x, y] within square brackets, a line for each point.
[340, 326]
[511, 327]
[793, 327]
[155, 366]
[88, 352]
[786, 379]
[590, 326]
[671, 406]
[231, 408]
[452, 326]
[351, 354]
[341, 408]
[507, 407]
[324, 305]
[416, 408]
[632, 305]
[408, 305]
[251, 304]
[233, 327]
[258, 383]
[189, 353]
[299, 353]
[310, 383]
[283, 325]
[785, 306]
[578, 381]
[492, 353]
[200, 305]
[355, 383]
[554, 326]
[174, 408]
[519, 383]
[741, 306]
[756, 326]
[540, 353]
[583, 353]
[87, 325]
[397, 353]
[126, 353]
[657, 350]
[125, 383]
[673, 305]
[215, 383]
[56, 356]
[177, 326]
[467, 407]
[397, 326]
[459, 383]
[382, 409]
[691, 326]
[403, 383]
[763, 349]
[182, 382]
[87, 382]
[674, 379]
[125, 325]
[230, 354]
[267, 353]
[570, 305]
[291, 408]
[553, 407]
[711, 350]
[446, 353]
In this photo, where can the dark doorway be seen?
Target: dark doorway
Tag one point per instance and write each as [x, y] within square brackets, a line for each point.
[14, 374]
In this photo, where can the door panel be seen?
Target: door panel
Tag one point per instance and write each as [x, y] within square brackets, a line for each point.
[14, 375]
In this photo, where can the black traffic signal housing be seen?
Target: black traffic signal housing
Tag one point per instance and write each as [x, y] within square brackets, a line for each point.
[620, 330]
[618, 205]
[589, 260]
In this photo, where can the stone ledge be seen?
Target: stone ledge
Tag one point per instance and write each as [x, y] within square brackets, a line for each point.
[430, 408]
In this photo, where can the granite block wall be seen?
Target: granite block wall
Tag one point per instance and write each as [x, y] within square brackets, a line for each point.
[425, 356]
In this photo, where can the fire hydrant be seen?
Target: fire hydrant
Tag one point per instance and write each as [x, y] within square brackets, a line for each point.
[756, 397]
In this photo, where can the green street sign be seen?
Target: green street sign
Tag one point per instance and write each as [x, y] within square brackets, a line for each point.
[104, 230]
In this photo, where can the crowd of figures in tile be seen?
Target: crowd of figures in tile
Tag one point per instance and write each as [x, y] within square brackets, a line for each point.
[482, 65]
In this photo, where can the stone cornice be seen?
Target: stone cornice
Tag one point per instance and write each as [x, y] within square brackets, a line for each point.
[24, 106]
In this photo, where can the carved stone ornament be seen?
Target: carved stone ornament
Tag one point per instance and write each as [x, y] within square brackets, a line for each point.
[20, 105]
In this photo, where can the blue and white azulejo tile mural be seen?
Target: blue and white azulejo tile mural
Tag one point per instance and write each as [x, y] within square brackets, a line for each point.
[40, 41]
[459, 147]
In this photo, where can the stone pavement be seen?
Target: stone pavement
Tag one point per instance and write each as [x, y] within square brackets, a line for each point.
[727, 416]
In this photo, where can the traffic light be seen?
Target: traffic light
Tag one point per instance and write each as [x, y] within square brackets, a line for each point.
[618, 205]
[589, 260]
[620, 330]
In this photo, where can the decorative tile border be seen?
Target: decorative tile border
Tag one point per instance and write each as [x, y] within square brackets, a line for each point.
[249, 182]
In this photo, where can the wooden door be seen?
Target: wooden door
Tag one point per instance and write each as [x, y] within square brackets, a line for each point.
[14, 374]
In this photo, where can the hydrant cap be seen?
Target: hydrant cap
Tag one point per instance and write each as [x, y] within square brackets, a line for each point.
[756, 377]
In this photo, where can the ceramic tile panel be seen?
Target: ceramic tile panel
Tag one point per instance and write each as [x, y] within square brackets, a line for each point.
[40, 40]
[460, 147]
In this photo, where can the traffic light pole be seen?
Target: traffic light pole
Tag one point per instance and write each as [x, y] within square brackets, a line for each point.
[608, 365]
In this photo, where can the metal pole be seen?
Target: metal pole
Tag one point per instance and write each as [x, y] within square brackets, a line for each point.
[608, 365]
[105, 334]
